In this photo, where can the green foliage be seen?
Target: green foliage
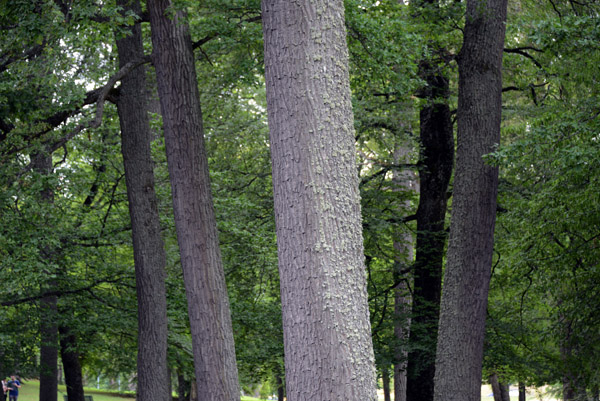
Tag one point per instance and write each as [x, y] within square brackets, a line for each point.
[544, 290]
[547, 234]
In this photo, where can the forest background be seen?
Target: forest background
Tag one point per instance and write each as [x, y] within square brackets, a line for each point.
[66, 232]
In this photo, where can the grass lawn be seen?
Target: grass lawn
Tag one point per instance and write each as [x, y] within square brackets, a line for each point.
[30, 391]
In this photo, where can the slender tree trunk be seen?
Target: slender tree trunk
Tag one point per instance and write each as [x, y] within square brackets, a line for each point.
[500, 389]
[402, 306]
[194, 391]
[183, 388]
[42, 164]
[522, 392]
[280, 387]
[495, 386]
[71, 365]
[466, 283]
[568, 355]
[436, 159]
[504, 391]
[327, 337]
[49, 350]
[208, 303]
[148, 248]
[568, 378]
[404, 248]
[385, 380]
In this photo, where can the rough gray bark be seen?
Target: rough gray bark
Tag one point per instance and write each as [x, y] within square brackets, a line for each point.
[404, 248]
[469, 259]
[208, 303]
[71, 366]
[42, 164]
[327, 339]
[402, 306]
[148, 248]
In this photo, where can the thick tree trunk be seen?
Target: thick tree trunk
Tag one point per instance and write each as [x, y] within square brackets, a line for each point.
[148, 248]
[464, 299]
[436, 159]
[327, 337]
[71, 365]
[208, 303]
[42, 164]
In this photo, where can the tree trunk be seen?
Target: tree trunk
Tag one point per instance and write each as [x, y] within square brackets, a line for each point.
[194, 391]
[280, 388]
[466, 283]
[42, 164]
[402, 306]
[500, 389]
[504, 391]
[436, 159]
[495, 386]
[571, 376]
[183, 388]
[148, 248]
[385, 381]
[522, 392]
[404, 248]
[327, 338]
[71, 365]
[49, 350]
[208, 303]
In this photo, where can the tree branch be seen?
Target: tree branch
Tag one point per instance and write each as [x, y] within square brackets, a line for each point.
[215, 35]
[59, 293]
[521, 51]
[27, 55]
[102, 96]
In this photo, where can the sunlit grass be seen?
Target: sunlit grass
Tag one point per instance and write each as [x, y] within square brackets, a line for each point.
[30, 391]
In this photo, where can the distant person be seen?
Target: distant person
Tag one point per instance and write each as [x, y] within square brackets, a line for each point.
[4, 389]
[13, 388]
